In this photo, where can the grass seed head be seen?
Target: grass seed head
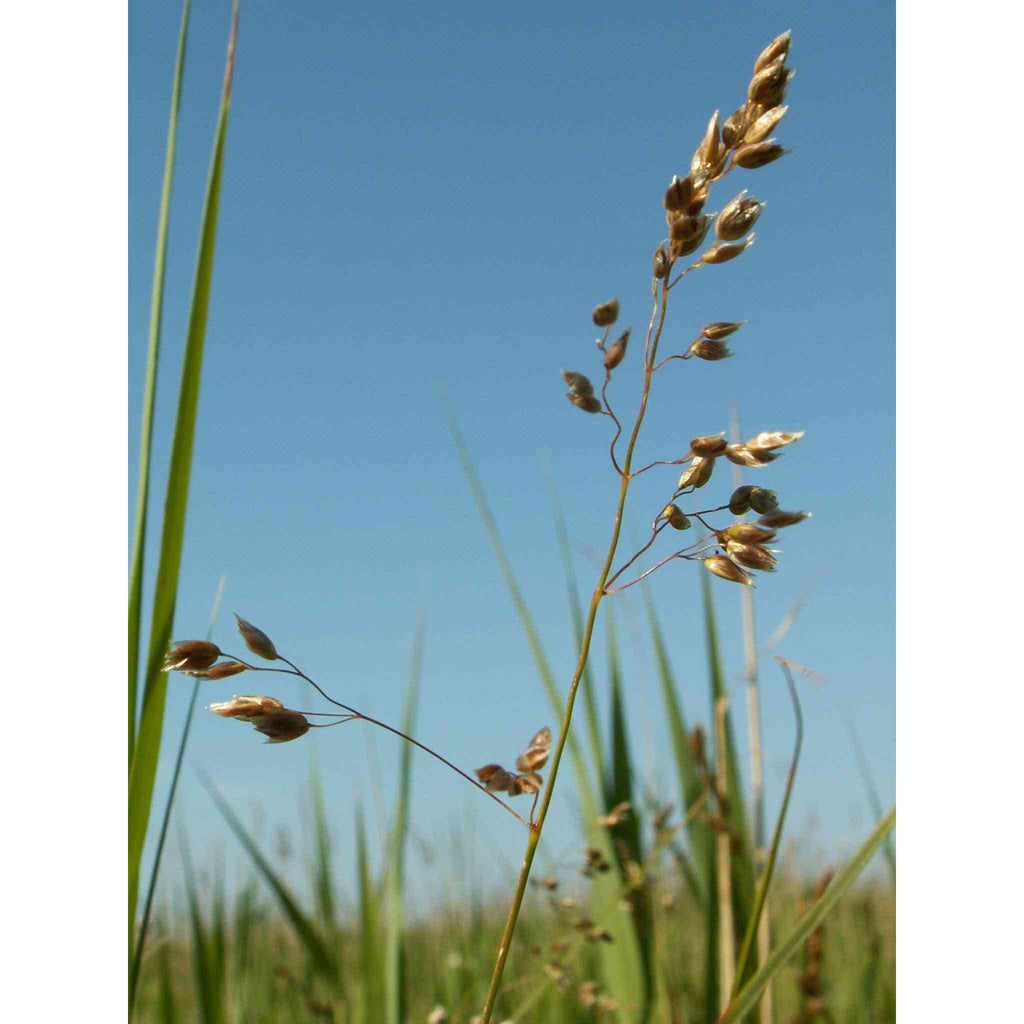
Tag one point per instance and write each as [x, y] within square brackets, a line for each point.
[741, 455]
[223, 670]
[709, 445]
[746, 533]
[607, 313]
[738, 217]
[752, 556]
[588, 403]
[256, 640]
[764, 125]
[694, 243]
[617, 351]
[721, 329]
[191, 656]
[577, 383]
[739, 501]
[662, 263]
[722, 252]
[281, 726]
[697, 474]
[763, 500]
[778, 47]
[494, 778]
[246, 707]
[759, 154]
[675, 518]
[712, 351]
[679, 194]
[778, 519]
[727, 569]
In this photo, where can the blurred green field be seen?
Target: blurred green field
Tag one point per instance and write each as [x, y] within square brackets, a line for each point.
[241, 960]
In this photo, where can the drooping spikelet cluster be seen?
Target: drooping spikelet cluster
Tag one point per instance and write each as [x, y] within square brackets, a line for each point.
[526, 778]
[199, 658]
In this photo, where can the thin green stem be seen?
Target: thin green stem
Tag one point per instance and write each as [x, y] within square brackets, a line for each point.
[654, 330]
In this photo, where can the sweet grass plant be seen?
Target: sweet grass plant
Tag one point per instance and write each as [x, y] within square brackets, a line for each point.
[673, 921]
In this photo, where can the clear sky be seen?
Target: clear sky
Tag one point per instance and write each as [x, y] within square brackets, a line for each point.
[421, 201]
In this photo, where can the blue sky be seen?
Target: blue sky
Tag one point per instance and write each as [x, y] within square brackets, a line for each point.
[428, 202]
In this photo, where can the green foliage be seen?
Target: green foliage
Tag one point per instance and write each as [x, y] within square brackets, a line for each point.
[144, 743]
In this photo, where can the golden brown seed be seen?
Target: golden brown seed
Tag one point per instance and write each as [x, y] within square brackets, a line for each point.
[712, 144]
[768, 86]
[738, 217]
[577, 382]
[740, 500]
[778, 519]
[679, 193]
[607, 313]
[528, 783]
[684, 228]
[246, 707]
[494, 778]
[741, 455]
[281, 726]
[617, 350]
[705, 348]
[709, 445]
[764, 125]
[758, 155]
[191, 656]
[778, 47]
[722, 252]
[772, 439]
[753, 556]
[256, 640]
[747, 533]
[734, 128]
[728, 570]
[685, 248]
[697, 474]
[221, 671]
[673, 515]
[662, 263]
[588, 403]
[762, 500]
[721, 329]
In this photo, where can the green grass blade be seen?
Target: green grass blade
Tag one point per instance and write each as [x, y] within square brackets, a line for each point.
[149, 394]
[766, 876]
[625, 836]
[872, 792]
[151, 891]
[303, 927]
[751, 992]
[323, 878]
[207, 993]
[168, 1008]
[394, 951]
[142, 774]
[556, 699]
[702, 878]
[741, 857]
[691, 786]
[576, 612]
[371, 954]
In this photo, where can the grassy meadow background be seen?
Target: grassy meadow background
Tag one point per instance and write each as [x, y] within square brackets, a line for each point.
[415, 213]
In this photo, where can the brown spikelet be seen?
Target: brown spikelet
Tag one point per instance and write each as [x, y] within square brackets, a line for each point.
[191, 656]
[256, 640]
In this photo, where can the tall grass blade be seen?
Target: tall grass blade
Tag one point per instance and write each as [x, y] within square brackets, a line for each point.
[203, 954]
[766, 875]
[140, 944]
[625, 836]
[149, 393]
[394, 879]
[702, 879]
[142, 774]
[872, 792]
[307, 934]
[323, 881]
[741, 854]
[576, 612]
[371, 954]
[622, 967]
[751, 992]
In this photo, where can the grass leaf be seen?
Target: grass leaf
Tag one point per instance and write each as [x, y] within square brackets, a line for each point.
[751, 992]
[321, 957]
[142, 773]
